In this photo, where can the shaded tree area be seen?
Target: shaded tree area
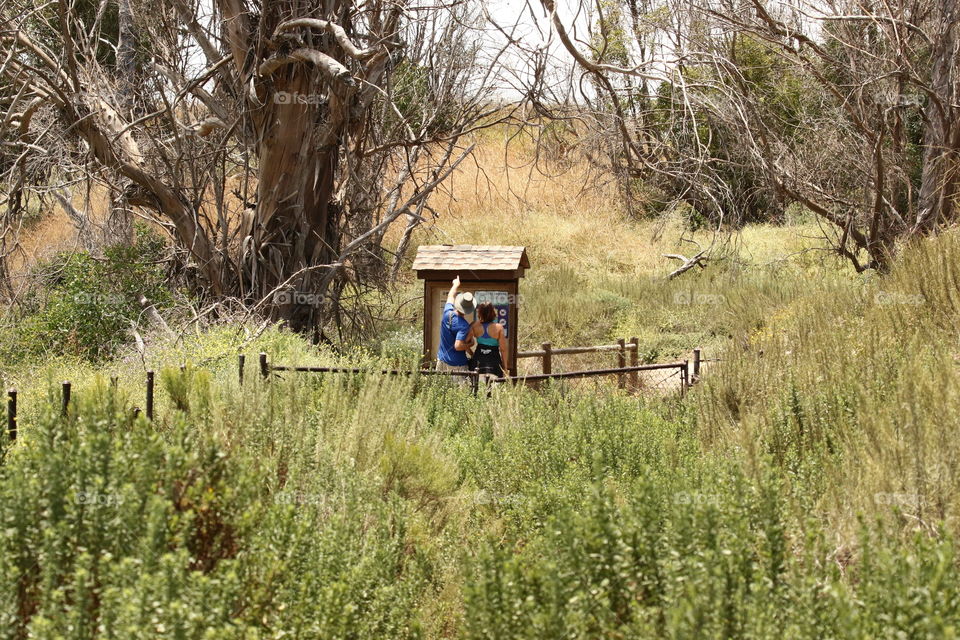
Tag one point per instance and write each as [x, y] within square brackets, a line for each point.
[741, 108]
[274, 142]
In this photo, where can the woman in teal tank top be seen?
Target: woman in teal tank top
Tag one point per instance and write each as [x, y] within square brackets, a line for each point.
[491, 350]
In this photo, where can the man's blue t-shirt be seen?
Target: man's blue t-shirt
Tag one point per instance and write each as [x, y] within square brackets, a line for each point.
[453, 327]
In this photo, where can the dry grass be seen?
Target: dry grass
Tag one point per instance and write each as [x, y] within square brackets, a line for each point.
[597, 274]
[573, 213]
[54, 232]
[501, 196]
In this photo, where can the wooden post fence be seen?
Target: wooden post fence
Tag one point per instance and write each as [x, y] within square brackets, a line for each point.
[588, 373]
[12, 414]
[547, 357]
[689, 374]
[149, 395]
[65, 397]
[621, 363]
[623, 348]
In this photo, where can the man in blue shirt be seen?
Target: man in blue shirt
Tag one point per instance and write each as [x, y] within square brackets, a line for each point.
[455, 338]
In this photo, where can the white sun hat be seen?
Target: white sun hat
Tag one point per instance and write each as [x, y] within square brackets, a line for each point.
[464, 303]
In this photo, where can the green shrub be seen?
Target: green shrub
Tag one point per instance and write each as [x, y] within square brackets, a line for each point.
[85, 306]
[656, 559]
[803, 489]
[112, 528]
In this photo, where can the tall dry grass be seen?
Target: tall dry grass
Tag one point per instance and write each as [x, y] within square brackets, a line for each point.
[596, 273]
[853, 388]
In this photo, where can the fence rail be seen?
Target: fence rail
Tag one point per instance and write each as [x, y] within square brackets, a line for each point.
[557, 351]
[586, 373]
[688, 375]
[680, 365]
[622, 348]
[622, 371]
[386, 372]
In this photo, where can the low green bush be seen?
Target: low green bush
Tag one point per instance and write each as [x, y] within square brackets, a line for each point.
[709, 559]
[111, 527]
[805, 488]
[369, 506]
[84, 305]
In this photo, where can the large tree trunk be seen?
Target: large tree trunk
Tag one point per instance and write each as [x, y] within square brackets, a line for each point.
[941, 159]
[295, 227]
[295, 234]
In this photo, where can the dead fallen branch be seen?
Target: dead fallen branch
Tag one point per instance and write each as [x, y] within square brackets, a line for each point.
[698, 260]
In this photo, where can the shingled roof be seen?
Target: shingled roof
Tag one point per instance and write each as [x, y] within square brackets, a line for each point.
[470, 257]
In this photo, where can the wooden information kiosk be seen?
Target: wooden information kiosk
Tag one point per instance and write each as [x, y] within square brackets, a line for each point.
[491, 273]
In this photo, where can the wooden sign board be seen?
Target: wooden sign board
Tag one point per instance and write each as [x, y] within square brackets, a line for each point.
[502, 294]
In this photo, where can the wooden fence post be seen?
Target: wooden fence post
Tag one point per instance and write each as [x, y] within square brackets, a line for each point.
[621, 363]
[634, 361]
[12, 414]
[696, 365]
[684, 379]
[264, 367]
[241, 361]
[149, 395]
[547, 357]
[65, 397]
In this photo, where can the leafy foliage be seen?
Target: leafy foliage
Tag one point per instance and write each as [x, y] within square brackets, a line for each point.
[86, 305]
